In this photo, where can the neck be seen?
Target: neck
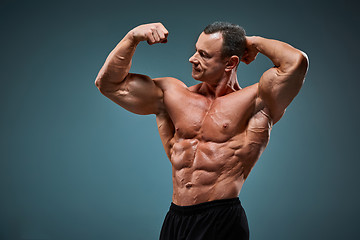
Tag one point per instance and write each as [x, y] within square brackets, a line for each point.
[227, 84]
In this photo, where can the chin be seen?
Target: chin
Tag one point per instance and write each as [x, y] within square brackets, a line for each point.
[197, 76]
[198, 79]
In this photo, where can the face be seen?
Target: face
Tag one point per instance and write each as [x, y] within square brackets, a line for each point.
[208, 64]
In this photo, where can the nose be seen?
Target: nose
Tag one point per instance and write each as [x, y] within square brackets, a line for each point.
[193, 59]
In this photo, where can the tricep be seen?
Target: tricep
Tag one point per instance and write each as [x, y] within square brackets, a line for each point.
[137, 93]
[278, 86]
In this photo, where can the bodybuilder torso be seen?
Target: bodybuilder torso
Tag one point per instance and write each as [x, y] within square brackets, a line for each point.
[212, 143]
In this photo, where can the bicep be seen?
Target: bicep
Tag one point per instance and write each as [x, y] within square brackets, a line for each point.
[138, 94]
[277, 88]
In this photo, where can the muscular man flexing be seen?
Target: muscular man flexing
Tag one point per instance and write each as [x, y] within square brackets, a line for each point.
[213, 132]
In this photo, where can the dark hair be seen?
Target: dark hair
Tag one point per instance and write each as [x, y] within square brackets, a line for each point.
[234, 41]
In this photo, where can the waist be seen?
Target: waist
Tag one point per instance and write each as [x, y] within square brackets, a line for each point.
[205, 206]
[197, 193]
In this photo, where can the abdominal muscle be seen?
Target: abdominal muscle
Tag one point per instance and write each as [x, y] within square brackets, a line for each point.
[192, 191]
[207, 171]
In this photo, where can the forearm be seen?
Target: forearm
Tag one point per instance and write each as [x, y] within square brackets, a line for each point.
[285, 57]
[117, 64]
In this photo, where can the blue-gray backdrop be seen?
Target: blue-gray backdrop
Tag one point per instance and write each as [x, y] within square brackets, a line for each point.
[74, 165]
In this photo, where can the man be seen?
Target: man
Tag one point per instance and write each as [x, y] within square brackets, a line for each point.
[213, 132]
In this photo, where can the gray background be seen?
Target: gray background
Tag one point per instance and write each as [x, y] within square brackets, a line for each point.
[74, 165]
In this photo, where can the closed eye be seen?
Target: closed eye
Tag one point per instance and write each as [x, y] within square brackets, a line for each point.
[203, 54]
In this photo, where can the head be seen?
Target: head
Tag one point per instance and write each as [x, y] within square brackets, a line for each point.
[218, 51]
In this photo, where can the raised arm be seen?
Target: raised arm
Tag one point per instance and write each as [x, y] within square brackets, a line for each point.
[134, 92]
[279, 85]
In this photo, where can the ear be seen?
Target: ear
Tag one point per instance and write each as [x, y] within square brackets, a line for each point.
[232, 63]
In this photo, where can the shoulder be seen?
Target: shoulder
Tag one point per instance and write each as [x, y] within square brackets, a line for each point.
[249, 92]
[167, 83]
[261, 106]
[252, 89]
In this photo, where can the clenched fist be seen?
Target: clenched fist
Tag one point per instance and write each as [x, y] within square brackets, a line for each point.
[251, 51]
[152, 33]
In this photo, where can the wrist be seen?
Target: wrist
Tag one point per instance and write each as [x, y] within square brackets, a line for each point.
[130, 36]
[253, 41]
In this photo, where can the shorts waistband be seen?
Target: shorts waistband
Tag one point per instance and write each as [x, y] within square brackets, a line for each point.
[201, 207]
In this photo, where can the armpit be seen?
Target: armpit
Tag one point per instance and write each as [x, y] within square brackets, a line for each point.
[267, 115]
[261, 118]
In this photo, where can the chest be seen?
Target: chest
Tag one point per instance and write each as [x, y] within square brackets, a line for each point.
[216, 120]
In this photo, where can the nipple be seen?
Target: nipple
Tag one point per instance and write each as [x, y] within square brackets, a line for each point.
[225, 125]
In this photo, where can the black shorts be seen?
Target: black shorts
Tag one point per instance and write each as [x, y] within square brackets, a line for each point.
[219, 219]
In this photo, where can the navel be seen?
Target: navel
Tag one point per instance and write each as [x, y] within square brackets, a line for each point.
[188, 185]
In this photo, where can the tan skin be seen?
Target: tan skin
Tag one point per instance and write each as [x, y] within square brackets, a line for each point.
[215, 131]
